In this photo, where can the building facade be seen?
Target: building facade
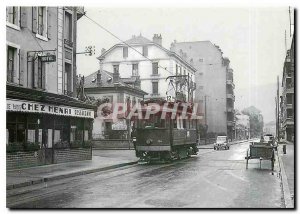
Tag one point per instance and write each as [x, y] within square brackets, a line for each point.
[153, 66]
[242, 126]
[215, 87]
[41, 73]
[287, 104]
[107, 87]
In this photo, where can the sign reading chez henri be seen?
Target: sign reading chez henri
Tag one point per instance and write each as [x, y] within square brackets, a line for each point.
[35, 107]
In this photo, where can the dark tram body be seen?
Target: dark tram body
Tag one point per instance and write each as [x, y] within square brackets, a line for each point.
[165, 139]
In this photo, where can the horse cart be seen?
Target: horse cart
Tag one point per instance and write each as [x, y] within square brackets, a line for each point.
[261, 151]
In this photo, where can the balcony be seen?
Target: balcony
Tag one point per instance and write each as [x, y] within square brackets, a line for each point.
[230, 82]
[230, 96]
[289, 106]
[230, 109]
[68, 43]
[80, 12]
[230, 123]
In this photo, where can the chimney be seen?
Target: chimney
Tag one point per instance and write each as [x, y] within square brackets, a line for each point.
[102, 51]
[157, 39]
[98, 77]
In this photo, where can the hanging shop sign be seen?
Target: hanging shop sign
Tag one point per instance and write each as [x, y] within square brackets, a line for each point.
[35, 107]
[48, 58]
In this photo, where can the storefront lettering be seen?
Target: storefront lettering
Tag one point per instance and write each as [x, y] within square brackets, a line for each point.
[16, 105]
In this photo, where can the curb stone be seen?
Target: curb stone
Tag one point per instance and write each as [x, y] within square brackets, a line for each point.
[73, 174]
[285, 186]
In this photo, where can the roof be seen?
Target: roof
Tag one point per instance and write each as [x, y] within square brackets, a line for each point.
[138, 40]
[107, 82]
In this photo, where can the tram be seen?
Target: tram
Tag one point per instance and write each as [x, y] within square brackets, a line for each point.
[165, 135]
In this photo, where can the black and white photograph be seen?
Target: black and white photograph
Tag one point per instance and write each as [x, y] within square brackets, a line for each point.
[154, 106]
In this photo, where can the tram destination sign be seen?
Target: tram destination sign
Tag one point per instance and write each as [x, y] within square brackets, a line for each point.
[48, 58]
[35, 107]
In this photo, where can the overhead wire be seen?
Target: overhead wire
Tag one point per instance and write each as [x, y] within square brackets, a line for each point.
[96, 23]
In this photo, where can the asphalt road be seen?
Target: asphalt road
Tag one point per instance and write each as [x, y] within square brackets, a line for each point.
[212, 179]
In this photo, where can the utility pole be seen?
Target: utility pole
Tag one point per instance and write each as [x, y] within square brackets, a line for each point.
[277, 106]
[205, 119]
[290, 20]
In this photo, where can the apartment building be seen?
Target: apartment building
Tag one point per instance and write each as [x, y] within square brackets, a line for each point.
[41, 77]
[287, 103]
[215, 86]
[153, 66]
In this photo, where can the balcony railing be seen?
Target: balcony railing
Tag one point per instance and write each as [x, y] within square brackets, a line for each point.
[230, 123]
[230, 82]
[230, 96]
[68, 42]
[80, 12]
[230, 109]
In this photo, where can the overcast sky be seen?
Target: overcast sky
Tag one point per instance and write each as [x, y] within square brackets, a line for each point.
[252, 38]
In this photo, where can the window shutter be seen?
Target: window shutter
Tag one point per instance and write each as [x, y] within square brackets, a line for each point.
[35, 73]
[44, 76]
[7, 9]
[22, 66]
[23, 17]
[34, 19]
[49, 35]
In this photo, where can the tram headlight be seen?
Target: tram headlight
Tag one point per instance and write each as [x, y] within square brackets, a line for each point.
[149, 141]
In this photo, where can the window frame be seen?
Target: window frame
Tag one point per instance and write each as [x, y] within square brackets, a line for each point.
[45, 26]
[153, 83]
[70, 30]
[155, 73]
[16, 62]
[16, 25]
[116, 66]
[145, 50]
[135, 74]
[125, 52]
[41, 69]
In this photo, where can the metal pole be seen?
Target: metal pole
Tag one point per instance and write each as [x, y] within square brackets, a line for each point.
[205, 120]
[278, 109]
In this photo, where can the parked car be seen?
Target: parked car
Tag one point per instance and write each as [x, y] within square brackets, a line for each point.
[221, 142]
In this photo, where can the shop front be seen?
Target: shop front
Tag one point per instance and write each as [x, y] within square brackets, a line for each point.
[47, 131]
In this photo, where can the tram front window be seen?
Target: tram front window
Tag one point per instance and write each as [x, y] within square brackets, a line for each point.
[153, 122]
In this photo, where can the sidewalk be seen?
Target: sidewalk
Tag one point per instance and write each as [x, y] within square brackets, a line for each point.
[211, 146]
[287, 172]
[102, 160]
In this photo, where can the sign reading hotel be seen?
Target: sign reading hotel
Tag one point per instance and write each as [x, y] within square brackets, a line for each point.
[35, 107]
